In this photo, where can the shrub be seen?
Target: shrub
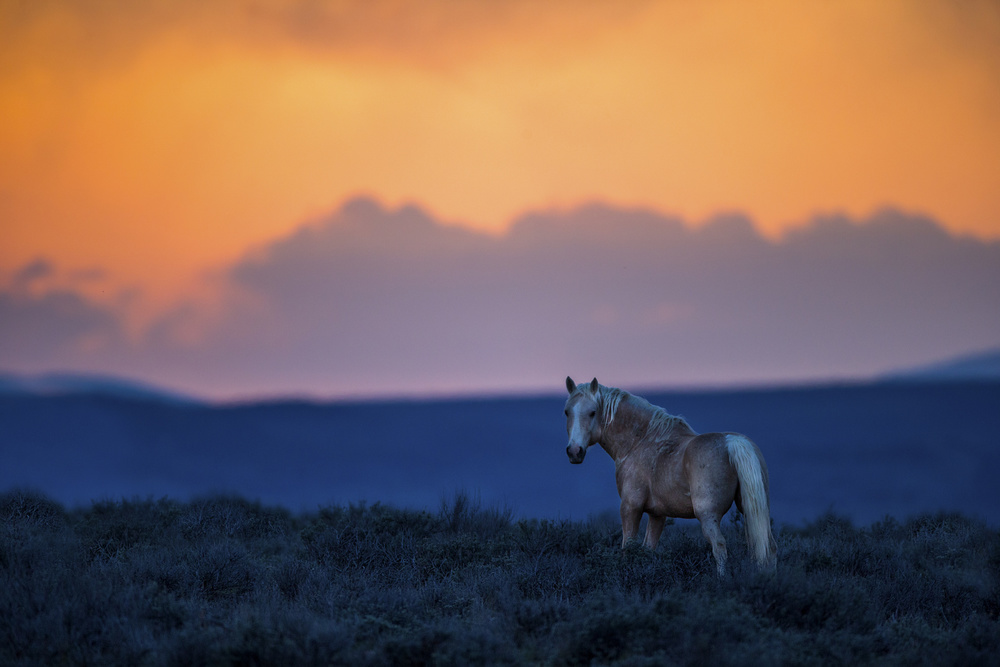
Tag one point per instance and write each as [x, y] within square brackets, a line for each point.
[226, 581]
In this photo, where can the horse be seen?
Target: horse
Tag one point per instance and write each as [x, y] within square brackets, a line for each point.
[663, 468]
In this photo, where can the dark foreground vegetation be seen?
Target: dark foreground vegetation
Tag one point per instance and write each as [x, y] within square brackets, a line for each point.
[226, 581]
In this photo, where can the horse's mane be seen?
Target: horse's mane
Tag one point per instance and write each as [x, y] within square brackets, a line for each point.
[661, 423]
[609, 399]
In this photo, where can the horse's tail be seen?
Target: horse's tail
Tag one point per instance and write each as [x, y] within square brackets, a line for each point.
[752, 473]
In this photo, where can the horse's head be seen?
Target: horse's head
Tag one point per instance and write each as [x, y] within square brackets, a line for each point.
[583, 419]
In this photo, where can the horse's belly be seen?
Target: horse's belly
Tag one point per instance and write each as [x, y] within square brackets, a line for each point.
[676, 504]
[669, 494]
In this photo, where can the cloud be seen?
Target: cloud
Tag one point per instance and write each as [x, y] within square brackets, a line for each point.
[32, 272]
[48, 322]
[56, 329]
[430, 33]
[375, 300]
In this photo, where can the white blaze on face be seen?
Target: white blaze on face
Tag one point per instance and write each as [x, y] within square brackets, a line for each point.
[579, 424]
[576, 435]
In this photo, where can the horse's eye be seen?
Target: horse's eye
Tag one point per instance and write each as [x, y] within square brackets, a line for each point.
[566, 412]
[592, 413]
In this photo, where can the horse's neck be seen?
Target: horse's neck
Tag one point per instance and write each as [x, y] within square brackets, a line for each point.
[630, 427]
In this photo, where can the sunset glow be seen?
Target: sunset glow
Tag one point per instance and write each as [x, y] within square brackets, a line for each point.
[151, 146]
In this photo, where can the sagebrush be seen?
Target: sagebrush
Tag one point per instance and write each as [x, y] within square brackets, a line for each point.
[223, 581]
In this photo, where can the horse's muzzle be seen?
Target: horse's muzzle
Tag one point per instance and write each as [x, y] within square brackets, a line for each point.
[576, 454]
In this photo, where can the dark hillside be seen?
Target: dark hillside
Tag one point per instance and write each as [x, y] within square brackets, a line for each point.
[861, 451]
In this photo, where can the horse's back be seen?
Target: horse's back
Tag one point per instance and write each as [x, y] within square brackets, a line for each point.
[704, 446]
[707, 450]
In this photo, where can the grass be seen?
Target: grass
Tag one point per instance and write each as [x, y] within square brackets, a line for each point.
[224, 581]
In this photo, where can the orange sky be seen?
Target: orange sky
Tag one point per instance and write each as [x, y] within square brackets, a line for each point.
[160, 139]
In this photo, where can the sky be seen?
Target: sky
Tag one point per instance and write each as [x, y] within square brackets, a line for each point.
[339, 198]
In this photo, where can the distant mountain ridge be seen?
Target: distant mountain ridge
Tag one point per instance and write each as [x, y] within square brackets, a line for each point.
[50, 384]
[509, 452]
[980, 366]
[977, 366]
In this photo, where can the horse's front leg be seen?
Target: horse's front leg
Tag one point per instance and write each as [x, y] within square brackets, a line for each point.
[631, 515]
[653, 530]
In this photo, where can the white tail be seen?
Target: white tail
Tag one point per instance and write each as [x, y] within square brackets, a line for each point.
[752, 473]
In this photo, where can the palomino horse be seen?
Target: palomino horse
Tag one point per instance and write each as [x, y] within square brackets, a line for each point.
[665, 469]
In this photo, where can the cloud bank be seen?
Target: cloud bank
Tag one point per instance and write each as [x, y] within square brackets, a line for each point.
[371, 300]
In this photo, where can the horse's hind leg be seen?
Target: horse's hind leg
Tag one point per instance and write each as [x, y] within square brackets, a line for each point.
[713, 533]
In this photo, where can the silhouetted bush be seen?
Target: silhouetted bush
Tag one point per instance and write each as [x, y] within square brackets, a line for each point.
[225, 581]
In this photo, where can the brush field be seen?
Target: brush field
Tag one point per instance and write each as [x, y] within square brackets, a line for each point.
[225, 581]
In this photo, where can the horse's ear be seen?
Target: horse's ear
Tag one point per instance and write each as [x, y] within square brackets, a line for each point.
[570, 385]
[594, 386]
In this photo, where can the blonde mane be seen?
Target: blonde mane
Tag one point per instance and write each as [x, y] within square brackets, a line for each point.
[661, 423]
[609, 399]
